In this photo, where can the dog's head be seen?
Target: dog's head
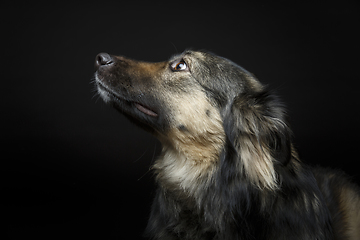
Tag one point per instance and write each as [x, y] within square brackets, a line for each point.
[198, 103]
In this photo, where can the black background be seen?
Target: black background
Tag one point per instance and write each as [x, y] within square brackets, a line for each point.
[73, 167]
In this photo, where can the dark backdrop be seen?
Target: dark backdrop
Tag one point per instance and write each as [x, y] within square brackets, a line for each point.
[73, 167]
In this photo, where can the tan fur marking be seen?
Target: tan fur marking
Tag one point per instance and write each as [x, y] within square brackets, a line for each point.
[191, 155]
[350, 204]
[145, 68]
[258, 164]
[257, 161]
[205, 135]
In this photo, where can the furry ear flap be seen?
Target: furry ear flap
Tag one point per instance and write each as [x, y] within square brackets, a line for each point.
[256, 128]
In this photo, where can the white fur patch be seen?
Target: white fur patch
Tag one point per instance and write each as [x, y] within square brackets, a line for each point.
[103, 93]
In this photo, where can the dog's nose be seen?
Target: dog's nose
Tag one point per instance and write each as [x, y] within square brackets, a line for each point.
[103, 59]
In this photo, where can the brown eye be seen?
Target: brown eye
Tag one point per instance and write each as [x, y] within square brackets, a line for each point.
[179, 66]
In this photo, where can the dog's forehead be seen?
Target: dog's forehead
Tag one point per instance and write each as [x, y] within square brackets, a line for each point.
[190, 53]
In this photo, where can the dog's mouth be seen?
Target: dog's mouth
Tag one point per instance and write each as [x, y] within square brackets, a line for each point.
[125, 102]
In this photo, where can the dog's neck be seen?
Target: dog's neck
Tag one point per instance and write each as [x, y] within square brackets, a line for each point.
[187, 171]
[191, 152]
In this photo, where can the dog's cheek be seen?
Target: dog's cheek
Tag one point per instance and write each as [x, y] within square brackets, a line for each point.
[196, 127]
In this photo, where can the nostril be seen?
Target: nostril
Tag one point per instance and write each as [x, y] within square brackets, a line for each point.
[103, 59]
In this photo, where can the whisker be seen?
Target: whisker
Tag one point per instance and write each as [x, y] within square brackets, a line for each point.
[151, 163]
[141, 156]
[174, 47]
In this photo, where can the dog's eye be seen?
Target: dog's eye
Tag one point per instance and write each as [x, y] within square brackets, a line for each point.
[179, 66]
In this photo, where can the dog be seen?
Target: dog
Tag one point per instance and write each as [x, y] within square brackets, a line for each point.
[228, 168]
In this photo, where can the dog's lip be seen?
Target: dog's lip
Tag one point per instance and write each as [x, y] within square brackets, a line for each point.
[139, 106]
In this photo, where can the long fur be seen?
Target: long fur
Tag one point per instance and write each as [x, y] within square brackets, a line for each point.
[228, 169]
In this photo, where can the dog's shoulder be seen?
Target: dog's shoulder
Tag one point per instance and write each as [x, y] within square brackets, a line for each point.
[342, 197]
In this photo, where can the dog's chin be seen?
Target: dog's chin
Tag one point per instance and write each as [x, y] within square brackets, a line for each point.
[140, 121]
[138, 113]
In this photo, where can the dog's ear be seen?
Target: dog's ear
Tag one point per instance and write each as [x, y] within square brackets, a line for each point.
[256, 128]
